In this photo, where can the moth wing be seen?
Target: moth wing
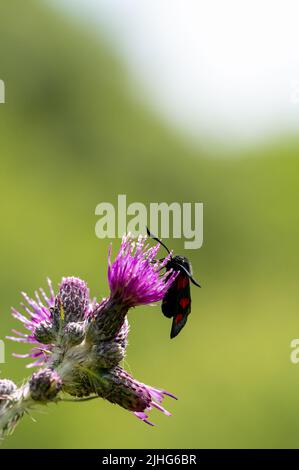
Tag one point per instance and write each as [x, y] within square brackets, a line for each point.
[169, 302]
[183, 304]
[178, 322]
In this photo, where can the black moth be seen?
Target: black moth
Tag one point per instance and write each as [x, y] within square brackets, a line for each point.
[176, 303]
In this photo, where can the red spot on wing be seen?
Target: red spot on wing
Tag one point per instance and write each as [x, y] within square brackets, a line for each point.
[179, 317]
[184, 302]
[182, 282]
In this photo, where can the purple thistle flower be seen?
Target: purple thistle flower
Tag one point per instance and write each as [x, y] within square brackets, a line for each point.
[134, 276]
[157, 397]
[73, 297]
[117, 386]
[134, 279]
[37, 313]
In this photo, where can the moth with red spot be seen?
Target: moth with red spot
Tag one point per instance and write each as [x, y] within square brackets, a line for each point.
[176, 303]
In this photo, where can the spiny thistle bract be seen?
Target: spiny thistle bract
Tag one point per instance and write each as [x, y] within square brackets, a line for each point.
[78, 343]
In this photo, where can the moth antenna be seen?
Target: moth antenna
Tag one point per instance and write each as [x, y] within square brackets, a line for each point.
[157, 239]
[194, 282]
[189, 275]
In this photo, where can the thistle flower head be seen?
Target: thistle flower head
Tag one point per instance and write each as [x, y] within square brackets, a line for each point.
[119, 387]
[135, 275]
[45, 314]
[37, 313]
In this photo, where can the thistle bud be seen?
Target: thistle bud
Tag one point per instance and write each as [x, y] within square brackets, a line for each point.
[44, 332]
[117, 386]
[7, 387]
[108, 354]
[74, 297]
[74, 333]
[45, 385]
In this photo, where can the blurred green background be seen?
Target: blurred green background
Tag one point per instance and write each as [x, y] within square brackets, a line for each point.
[74, 134]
